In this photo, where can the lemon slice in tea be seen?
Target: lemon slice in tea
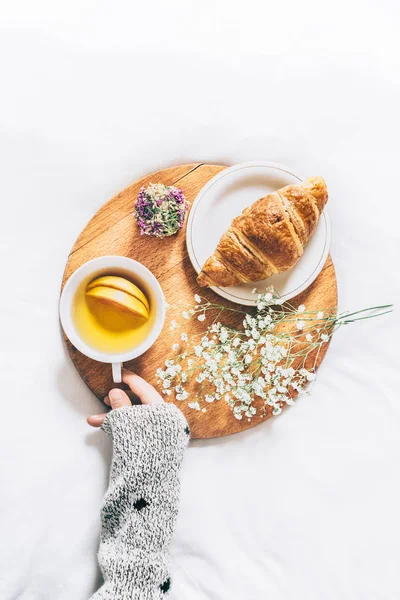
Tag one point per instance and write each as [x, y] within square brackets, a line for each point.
[122, 284]
[120, 299]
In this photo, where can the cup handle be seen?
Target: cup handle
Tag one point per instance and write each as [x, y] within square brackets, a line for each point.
[117, 372]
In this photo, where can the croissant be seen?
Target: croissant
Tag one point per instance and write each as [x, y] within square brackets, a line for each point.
[268, 237]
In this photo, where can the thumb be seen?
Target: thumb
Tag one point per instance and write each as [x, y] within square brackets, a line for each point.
[118, 398]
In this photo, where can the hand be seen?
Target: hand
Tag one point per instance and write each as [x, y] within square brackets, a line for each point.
[118, 398]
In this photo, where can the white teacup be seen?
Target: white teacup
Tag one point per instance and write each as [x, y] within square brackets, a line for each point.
[113, 265]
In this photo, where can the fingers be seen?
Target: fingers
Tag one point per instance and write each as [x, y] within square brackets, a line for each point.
[116, 399]
[96, 420]
[146, 392]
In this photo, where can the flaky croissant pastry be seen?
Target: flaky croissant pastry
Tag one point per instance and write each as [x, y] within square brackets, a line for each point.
[268, 237]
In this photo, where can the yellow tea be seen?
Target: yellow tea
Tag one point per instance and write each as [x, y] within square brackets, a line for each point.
[104, 324]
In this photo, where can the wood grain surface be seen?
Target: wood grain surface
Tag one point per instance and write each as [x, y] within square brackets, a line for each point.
[113, 230]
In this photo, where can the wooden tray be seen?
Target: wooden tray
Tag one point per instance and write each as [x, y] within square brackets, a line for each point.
[113, 230]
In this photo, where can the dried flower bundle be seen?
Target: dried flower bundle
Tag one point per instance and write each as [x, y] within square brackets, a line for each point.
[160, 210]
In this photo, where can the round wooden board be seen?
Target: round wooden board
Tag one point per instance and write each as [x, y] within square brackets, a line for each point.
[113, 230]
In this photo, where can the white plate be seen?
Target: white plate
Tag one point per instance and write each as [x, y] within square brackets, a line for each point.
[223, 198]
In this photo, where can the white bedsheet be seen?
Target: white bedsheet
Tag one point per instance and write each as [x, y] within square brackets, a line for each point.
[96, 94]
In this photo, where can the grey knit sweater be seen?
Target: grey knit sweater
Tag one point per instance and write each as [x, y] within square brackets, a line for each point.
[141, 504]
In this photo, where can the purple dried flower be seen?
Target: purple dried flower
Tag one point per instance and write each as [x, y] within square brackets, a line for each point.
[160, 210]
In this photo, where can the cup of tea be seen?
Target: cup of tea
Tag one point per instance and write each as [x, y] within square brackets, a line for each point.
[112, 309]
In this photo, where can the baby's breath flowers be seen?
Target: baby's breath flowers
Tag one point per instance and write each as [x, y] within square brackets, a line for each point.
[160, 210]
[259, 367]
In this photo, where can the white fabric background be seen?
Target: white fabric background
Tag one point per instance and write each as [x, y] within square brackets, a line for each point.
[95, 94]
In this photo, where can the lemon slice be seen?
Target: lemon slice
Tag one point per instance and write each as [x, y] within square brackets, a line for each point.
[118, 298]
[122, 284]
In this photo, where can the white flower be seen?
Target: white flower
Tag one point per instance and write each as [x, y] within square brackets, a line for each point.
[185, 314]
[250, 321]
[247, 359]
[168, 392]
[209, 398]
[202, 317]
[190, 362]
[237, 411]
[203, 410]
[301, 308]
[276, 410]
[195, 405]
[198, 350]
[174, 324]
[310, 376]
[268, 297]
[257, 389]
[212, 365]
[175, 347]
[320, 315]
[197, 299]
[324, 337]
[282, 350]
[300, 325]
[166, 384]
[309, 337]
[223, 336]
[184, 337]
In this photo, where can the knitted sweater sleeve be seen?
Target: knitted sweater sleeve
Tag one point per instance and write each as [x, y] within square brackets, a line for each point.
[141, 504]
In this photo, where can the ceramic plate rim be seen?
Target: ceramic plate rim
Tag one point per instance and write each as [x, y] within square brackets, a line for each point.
[221, 291]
